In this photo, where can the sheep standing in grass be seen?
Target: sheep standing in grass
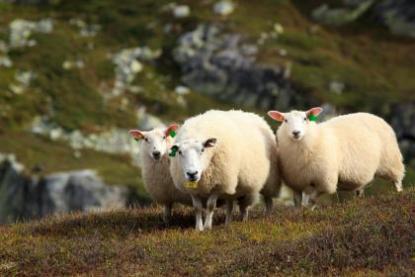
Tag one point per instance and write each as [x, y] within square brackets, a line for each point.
[343, 153]
[154, 146]
[272, 186]
[228, 155]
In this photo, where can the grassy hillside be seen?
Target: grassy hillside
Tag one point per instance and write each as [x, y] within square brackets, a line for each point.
[362, 237]
[375, 68]
[114, 169]
[359, 237]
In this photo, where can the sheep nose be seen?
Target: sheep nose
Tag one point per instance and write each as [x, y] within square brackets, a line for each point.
[192, 175]
[156, 155]
[296, 133]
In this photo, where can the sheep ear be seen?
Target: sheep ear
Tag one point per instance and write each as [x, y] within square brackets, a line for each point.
[171, 130]
[137, 134]
[276, 115]
[209, 142]
[314, 111]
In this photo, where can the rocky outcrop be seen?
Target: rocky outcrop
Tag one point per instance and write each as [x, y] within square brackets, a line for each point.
[403, 122]
[341, 16]
[128, 65]
[21, 30]
[397, 15]
[26, 197]
[224, 66]
[113, 141]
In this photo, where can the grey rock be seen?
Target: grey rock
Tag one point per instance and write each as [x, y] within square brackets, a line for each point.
[25, 197]
[21, 30]
[5, 61]
[340, 16]
[68, 65]
[224, 66]
[113, 141]
[336, 87]
[181, 11]
[397, 15]
[182, 90]
[148, 121]
[3, 46]
[402, 119]
[128, 65]
[224, 7]
[85, 30]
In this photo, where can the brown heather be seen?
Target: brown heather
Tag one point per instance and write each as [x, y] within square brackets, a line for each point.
[361, 237]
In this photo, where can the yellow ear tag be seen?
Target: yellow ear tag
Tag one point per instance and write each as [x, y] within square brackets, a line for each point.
[191, 185]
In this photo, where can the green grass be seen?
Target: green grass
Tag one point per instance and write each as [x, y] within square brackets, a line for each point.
[371, 236]
[376, 68]
[331, 54]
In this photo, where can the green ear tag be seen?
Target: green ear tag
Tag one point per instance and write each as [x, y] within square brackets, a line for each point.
[312, 117]
[173, 151]
[172, 133]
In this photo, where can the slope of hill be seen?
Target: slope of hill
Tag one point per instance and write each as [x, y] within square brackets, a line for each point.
[363, 237]
[88, 67]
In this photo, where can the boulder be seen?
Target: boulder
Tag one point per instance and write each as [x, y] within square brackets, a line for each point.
[224, 66]
[341, 16]
[402, 119]
[181, 11]
[224, 8]
[23, 196]
[398, 16]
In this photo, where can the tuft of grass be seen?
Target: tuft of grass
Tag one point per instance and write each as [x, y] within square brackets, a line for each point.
[374, 235]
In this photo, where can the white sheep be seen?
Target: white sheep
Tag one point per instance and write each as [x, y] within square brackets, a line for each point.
[155, 164]
[343, 153]
[225, 154]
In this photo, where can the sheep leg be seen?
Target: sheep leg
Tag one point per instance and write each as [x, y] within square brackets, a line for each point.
[298, 199]
[360, 192]
[268, 205]
[244, 213]
[398, 185]
[229, 209]
[167, 213]
[305, 201]
[313, 196]
[198, 206]
[245, 203]
[210, 209]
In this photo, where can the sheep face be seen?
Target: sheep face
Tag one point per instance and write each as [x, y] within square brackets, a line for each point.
[194, 157]
[155, 142]
[295, 124]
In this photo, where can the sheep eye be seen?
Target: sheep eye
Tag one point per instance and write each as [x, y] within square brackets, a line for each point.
[164, 137]
[305, 118]
[203, 150]
[180, 152]
[285, 120]
[146, 139]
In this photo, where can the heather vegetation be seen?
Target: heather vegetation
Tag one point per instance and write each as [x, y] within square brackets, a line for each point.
[76, 75]
[371, 236]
